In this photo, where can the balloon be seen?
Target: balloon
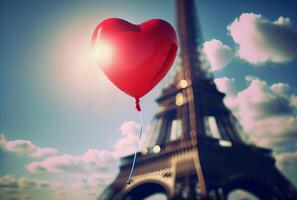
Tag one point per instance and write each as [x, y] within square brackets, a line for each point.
[135, 58]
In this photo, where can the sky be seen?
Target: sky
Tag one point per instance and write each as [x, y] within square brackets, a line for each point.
[63, 125]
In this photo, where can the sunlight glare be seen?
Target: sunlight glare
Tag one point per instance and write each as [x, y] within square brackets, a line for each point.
[102, 53]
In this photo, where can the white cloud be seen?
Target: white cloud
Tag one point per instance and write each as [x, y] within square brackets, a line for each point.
[88, 174]
[11, 181]
[268, 115]
[265, 112]
[94, 161]
[226, 85]
[72, 176]
[281, 89]
[249, 78]
[128, 143]
[287, 160]
[283, 21]
[260, 40]
[25, 147]
[80, 177]
[217, 54]
[8, 181]
[76, 188]
[91, 162]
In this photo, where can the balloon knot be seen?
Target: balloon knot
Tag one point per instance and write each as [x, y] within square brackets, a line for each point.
[137, 105]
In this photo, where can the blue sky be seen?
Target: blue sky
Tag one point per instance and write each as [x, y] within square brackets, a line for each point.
[53, 95]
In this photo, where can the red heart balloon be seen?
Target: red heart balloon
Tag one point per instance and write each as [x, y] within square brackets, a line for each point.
[135, 57]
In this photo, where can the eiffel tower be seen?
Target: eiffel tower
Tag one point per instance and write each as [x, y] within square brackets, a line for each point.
[196, 151]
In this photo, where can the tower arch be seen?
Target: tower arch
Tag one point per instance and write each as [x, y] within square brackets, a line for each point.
[250, 187]
[145, 189]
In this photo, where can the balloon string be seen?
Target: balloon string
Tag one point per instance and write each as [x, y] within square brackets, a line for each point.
[138, 145]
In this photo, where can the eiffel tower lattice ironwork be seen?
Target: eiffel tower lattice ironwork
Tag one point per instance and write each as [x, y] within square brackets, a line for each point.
[196, 149]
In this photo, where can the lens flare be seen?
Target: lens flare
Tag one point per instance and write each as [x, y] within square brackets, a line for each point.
[102, 53]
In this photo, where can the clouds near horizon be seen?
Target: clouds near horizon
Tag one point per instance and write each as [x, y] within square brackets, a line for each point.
[91, 172]
[11, 181]
[25, 147]
[79, 177]
[85, 174]
[12, 187]
[94, 160]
